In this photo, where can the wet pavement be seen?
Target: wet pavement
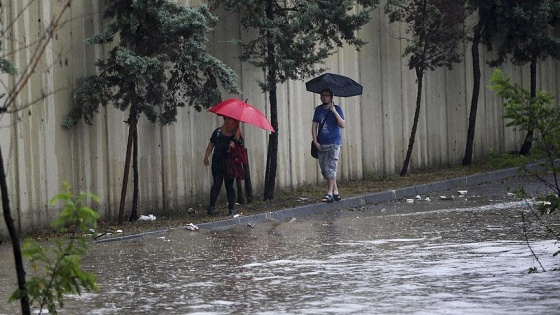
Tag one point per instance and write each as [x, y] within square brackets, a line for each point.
[463, 255]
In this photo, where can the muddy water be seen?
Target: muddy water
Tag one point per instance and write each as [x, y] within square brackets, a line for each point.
[464, 256]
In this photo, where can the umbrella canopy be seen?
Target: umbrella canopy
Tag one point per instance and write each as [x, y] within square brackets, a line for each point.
[339, 84]
[239, 110]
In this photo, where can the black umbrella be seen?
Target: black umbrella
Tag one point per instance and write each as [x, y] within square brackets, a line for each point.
[339, 84]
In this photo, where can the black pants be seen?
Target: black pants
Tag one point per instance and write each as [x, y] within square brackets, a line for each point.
[217, 186]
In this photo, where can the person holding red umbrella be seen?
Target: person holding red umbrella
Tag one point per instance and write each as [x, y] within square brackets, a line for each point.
[227, 144]
[223, 140]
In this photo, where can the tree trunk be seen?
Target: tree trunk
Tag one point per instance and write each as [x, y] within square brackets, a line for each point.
[248, 183]
[20, 269]
[467, 158]
[132, 120]
[272, 154]
[526, 147]
[419, 76]
[240, 198]
[271, 166]
[136, 179]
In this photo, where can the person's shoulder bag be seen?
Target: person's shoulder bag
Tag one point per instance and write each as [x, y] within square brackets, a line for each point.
[314, 150]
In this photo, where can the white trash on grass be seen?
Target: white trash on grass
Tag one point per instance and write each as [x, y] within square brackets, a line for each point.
[149, 217]
[191, 227]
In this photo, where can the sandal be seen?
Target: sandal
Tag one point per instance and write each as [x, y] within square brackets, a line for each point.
[337, 197]
[328, 198]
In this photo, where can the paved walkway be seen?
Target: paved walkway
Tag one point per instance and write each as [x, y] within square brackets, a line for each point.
[494, 180]
[494, 185]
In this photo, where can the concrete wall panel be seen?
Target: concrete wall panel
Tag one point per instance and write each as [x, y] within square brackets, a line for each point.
[39, 155]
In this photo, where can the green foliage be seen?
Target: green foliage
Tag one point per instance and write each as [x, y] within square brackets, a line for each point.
[540, 114]
[532, 270]
[521, 30]
[159, 63]
[290, 39]
[7, 67]
[500, 160]
[61, 265]
[299, 34]
[436, 30]
[528, 113]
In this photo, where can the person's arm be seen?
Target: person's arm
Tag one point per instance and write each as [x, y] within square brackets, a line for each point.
[209, 149]
[239, 135]
[339, 119]
[314, 127]
[239, 132]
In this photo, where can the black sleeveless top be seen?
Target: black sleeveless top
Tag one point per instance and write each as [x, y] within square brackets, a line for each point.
[220, 156]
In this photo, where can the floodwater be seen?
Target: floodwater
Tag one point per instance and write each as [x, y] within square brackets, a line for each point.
[462, 256]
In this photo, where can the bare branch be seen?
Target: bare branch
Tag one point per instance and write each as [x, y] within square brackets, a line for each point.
[17, 17]
[527, 241]
[35, 101]
[37, 55]
[25, 46]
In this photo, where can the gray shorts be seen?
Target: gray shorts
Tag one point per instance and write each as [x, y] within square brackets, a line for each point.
[328, 160]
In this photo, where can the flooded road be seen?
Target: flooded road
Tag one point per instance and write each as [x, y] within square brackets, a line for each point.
[461, 256]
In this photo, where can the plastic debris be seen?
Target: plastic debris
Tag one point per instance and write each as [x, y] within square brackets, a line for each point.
[149, 217]
[427, 199]
[191, 227]
[446, 197]
[410, 200]
[418, 197]
[236, 215]
[462, 192]
[293, 220]
[119, 231]
[542, 202]
[251, 224]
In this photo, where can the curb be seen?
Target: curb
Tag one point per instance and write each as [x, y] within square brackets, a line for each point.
[352, 202]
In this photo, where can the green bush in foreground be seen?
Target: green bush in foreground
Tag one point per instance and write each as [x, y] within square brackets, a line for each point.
[60, 266]
[540, 114]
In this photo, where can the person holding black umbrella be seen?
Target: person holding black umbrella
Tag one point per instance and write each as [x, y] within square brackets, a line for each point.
[328, 121]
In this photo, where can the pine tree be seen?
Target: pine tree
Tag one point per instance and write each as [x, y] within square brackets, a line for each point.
[525, 33]
[160, 63]
[292, 39]
[436, 29]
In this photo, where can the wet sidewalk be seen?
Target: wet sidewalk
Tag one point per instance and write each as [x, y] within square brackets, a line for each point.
[496, 183]
[463, 255]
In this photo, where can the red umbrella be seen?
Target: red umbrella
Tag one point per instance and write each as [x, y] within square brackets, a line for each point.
[239, 110]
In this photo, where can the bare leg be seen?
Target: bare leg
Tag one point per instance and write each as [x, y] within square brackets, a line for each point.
[332, 186]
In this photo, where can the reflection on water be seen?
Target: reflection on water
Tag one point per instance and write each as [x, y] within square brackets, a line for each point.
[449, 258]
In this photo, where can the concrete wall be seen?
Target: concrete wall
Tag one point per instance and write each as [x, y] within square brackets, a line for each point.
[40, 155]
